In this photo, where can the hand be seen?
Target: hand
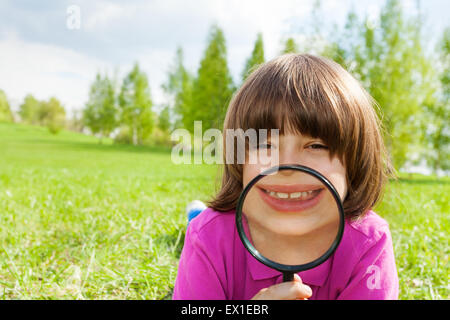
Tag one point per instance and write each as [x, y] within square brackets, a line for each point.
[291, 290]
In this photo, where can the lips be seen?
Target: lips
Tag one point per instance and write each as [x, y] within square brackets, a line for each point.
[291, 198]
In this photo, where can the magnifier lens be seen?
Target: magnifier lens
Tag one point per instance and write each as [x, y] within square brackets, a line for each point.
[290, 217]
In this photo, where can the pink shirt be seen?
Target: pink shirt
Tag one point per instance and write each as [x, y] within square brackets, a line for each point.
[214, 263]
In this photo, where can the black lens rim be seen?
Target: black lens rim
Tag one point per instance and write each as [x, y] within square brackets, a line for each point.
[275, 265]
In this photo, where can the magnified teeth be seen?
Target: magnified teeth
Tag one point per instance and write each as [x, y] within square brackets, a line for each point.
[282, 195]
[294, 195]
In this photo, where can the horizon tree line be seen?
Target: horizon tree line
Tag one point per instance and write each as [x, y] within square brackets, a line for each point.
[410, 85]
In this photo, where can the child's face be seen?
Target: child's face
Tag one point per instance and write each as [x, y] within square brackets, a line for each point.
[306, 151]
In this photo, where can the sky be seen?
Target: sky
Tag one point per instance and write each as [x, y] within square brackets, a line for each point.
[55, 48]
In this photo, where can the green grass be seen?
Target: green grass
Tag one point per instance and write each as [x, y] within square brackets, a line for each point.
[83, 220]
[417, 209]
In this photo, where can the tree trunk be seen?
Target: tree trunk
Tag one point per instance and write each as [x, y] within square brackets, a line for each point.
[135, 137]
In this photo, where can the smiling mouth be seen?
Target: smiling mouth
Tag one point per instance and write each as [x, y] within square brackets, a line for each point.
[300, 195]
[291, 198]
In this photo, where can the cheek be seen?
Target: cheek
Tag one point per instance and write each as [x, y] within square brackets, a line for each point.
[335, 172]
[340, 184]
[250, 171]
[338, 177]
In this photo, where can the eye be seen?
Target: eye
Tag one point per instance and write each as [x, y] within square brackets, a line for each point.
[318, 146]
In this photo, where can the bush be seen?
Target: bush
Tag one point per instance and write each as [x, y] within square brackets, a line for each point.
[124, 136]
[159, 137]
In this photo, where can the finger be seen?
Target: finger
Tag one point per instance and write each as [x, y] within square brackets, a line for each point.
[297, 278]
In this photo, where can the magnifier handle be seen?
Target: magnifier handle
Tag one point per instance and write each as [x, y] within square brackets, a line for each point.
[288, 276]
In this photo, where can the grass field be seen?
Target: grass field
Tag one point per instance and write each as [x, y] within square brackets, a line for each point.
[83, 220]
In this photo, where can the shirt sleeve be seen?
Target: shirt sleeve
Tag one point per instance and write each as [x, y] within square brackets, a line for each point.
[197, 278]
[375, 276]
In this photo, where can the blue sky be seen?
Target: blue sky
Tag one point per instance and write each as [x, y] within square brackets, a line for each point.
[40, 54]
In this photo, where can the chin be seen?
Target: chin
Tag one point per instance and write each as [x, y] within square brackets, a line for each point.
[290, 230]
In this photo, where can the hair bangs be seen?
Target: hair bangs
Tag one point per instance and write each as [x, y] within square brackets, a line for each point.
[294, 102]
[313, 96]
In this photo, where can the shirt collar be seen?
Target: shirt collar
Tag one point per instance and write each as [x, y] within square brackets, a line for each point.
[316, 276]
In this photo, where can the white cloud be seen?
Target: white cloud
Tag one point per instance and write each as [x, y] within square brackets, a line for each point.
[46, 59]
[65, 70]
[45, 71]
[120, 33]
[104, 13]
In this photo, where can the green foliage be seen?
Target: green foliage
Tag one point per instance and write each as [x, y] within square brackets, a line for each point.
[444, 48]
[136, 105]
[392, 65]
[29, 110]
[178, 88]
[213, 86]
[100, 113]
[410, 86]
[52, 115]
[256, 58]
[164, 120]
[124, 136]
[388, 57]
[159, 138]
[204, 97]
[290, 46]
[437, 137]
[316, 41]
[5, 109]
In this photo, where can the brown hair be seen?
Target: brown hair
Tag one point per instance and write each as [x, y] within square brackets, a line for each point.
[314, 96]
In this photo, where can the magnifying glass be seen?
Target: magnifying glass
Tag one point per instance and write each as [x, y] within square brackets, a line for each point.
[290, 218]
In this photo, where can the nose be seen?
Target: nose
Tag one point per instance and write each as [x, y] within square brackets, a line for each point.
[287, 173]
[292, 157]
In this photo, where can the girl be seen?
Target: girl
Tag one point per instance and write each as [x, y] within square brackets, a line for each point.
[326, 121]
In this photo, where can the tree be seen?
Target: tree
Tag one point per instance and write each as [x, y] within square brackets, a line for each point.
[256, 58]
[316, 37]
[52, 115]
[164, 120]
[75, 122]
[392, 65]
[100, 114]
[437, 137]
[178, 88]
[29, 110]
[5, 109]
[136, 105]
[213, 86]
[319, 42]
[290, 46]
